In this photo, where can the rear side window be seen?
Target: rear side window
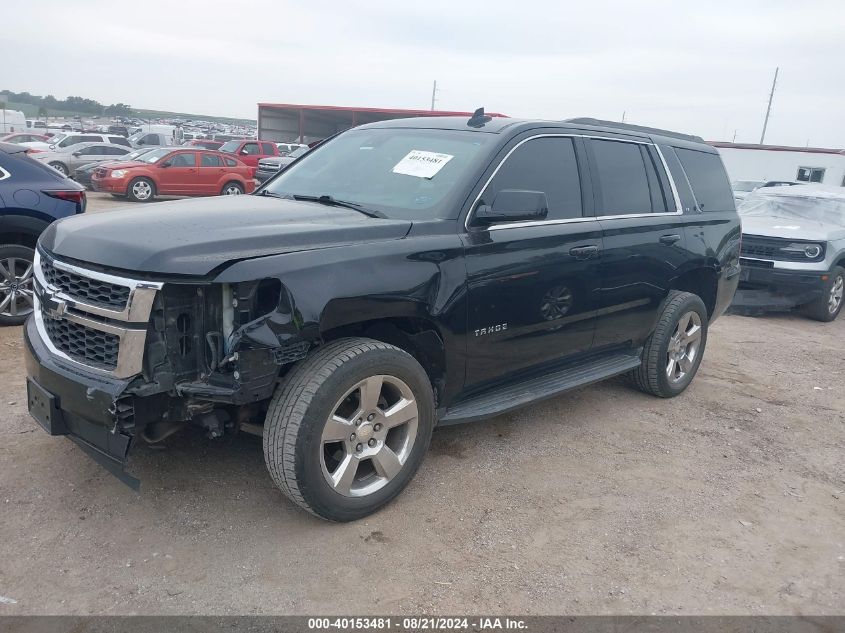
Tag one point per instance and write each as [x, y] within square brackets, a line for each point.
[708, 179]
[210, 160]
[115, 151]
[622, 177]
[230, 162]
[547, 165]
[184, 160]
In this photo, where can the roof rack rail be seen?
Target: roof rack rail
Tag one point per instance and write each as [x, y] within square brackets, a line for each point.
[635, 128]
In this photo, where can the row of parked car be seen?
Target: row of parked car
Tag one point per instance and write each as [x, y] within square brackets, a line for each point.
[109, 163]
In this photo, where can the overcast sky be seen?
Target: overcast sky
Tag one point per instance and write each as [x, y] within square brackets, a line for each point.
[702, 67]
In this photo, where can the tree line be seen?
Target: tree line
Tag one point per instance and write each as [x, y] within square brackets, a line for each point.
[71, 104]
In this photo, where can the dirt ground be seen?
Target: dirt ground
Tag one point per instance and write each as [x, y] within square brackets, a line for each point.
[729, 499]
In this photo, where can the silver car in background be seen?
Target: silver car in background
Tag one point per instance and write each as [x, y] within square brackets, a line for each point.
[70, 158]
[793, 251]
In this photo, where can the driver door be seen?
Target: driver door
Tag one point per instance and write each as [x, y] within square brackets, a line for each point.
[179, 176]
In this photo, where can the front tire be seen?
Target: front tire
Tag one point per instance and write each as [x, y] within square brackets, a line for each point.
[348, 427]
[673, 352]
[827, 307]
[141, 190]
[16, 300]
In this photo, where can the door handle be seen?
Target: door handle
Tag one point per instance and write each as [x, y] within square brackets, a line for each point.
[583, 252]
[670, 239]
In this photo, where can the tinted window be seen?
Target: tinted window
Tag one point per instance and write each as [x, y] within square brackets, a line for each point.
[210, 160]
[708, 179]
[184, 160]
[250, 149]
[150, 139]
[230, 162]
[119, 140]
[543, 164]
[267, 148]
[622, 178]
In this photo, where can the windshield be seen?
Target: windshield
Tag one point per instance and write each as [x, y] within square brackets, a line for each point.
[403, 173]
[154, 155]
[820, 206]
[746, 185]
[134, 155]
[230, 147]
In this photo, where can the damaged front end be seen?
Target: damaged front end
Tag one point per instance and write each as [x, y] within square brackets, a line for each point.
[113, 360]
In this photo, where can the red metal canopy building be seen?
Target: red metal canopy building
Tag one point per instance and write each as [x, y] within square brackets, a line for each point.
[293, 123]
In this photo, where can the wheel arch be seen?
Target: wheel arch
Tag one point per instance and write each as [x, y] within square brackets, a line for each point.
[22, 229]
[419, 337]
[703, 282]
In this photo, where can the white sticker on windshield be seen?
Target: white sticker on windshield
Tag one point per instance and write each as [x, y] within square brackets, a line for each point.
[422, 164]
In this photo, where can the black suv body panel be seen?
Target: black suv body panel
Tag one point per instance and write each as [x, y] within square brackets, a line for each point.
[484, 308]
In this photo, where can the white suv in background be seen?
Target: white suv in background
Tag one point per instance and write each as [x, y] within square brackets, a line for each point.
[66, 139]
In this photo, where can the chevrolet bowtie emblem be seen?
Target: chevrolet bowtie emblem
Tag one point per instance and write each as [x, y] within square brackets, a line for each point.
[54, 308]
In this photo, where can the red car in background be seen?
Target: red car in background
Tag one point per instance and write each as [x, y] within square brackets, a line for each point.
[250, 151]
[23, 137]
[175, 172]
[204, 143]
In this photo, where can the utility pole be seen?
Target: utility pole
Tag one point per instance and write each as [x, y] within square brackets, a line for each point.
[769, 108]
[623, 116]
[433, 94]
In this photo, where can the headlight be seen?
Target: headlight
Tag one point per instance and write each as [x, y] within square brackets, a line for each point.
[118, 173]
[810, 251]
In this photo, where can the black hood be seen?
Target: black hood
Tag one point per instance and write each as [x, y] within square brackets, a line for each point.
[193, 237]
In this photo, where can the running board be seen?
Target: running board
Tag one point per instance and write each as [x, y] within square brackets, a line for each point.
[539, 388]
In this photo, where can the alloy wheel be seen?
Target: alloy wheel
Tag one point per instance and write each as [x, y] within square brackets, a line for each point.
[683, 347]
[142, 190]
[16, 287]
[232, 190]
[835, 298]
[369, 436]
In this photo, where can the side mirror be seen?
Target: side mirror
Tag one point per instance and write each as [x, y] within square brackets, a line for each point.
[244, 152]
[166, 163]
[513, 205]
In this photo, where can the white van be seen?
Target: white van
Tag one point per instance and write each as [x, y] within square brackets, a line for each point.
[12, 121]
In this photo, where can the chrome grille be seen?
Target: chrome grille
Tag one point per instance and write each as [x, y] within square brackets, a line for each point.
[93, 290]
[93, 319]
[84, 345]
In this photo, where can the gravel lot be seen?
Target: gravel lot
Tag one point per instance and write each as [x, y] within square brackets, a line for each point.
[729, 499]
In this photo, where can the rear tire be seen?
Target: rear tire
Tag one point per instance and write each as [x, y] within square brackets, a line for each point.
[827, 307]
[673, 352]
[141, 190]
[16, 301]
[348, 427]
[60, 167]
[232, 189]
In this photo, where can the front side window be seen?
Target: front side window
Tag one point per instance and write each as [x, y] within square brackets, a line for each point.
[230, 146]
[810, 174]
[708, 179]
[401, 172]
[72, 140]
[624, 182]
[251, 149]
[231, 162]
[542, 164]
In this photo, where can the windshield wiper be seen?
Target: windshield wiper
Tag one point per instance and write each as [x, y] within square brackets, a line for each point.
[334, 202]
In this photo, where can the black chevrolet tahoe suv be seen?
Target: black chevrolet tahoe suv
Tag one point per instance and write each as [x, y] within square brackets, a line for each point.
[402, 275]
